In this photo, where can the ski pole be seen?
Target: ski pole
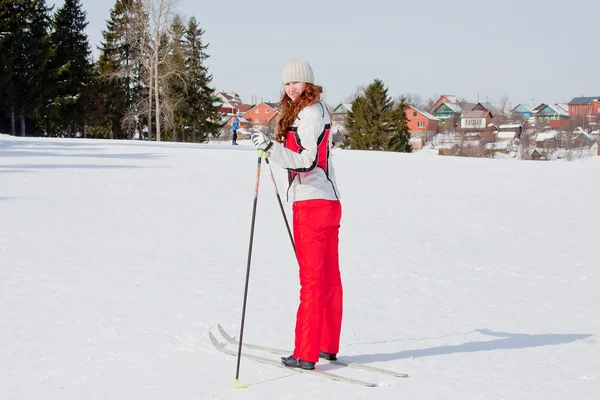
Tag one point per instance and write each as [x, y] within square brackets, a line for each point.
[287, 225]
[239, 385]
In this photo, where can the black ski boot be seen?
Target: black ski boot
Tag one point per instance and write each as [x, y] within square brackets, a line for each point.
[292, 362]
[328, 356]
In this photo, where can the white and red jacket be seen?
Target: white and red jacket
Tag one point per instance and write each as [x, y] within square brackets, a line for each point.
[306, 154]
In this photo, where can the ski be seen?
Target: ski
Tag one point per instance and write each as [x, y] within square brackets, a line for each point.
[340, 363]
[269, 361]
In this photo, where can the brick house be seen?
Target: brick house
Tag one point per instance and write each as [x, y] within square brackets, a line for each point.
[421, 121]
[588, 107]
[263, 114]
[422, 125]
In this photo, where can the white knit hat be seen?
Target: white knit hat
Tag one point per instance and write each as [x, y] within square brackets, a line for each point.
[298, 71]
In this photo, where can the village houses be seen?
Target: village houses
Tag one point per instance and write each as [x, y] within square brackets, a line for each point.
[499, 130]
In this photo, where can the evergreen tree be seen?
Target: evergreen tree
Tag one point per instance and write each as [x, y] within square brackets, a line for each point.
[24, 28]
[92, 106]
[73, 64]
[39, 51]
[400, 137]
[116, 68]
[5, 59]
[200, 111]
[13, 19]
[375, 123]
[178, 81]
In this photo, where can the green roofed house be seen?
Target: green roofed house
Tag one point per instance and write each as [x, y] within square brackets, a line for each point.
[555, 115]
[339, 113]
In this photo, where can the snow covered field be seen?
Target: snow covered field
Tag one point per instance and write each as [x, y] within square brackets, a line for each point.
[479, 278]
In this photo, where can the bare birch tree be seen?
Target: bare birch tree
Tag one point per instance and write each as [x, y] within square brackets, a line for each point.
[430, 102]
[414, 100]
[150, 37]
[139, 41]
[526, 142]
[501, 117]
[160, 14]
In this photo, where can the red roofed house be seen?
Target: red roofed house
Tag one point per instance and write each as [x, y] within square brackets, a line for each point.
[230, 103]
[262, 113]
[445, 99]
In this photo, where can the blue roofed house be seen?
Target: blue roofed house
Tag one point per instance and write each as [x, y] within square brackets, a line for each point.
[522, 109]
[582, 138]
[586, 109]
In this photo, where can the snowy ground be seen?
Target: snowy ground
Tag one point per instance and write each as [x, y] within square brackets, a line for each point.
[477, 277]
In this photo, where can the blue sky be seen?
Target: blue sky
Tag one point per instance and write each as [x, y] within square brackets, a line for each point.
[542, 51]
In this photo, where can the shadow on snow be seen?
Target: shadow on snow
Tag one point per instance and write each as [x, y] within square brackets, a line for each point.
[504, 341]
[25, 167]
[38, 153]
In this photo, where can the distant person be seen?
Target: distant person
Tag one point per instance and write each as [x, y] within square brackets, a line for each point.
[303, 147]
[234, 128]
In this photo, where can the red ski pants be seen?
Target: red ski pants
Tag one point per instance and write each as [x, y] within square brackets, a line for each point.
[319, 319]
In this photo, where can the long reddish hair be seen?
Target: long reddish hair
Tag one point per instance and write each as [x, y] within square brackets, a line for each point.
[289, 109]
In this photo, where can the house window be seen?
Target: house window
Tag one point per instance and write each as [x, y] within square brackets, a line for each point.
[421, 124]
[414, 113]
[256, 111]
[266, 110]
[256, 120]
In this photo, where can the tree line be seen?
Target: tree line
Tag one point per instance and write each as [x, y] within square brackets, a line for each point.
[150, 80]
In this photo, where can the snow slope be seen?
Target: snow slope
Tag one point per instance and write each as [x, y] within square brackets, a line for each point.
[477, 277]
